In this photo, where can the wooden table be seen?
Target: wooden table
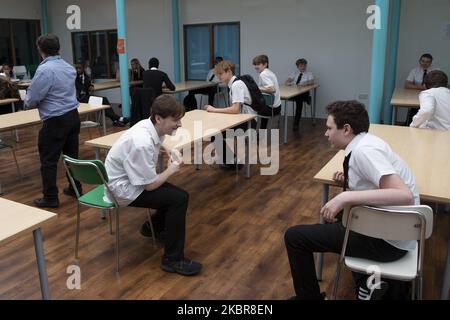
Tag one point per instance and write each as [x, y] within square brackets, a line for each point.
[191, 85]
[212, 123]
[290, 92]
[113, 84]
[4, 102]
[404, 98]
[31, 117]
[425, 151]
[17, 219]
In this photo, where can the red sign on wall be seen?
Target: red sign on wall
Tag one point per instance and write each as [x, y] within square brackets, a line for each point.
[120, 46]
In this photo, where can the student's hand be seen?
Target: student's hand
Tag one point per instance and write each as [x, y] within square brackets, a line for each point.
[210, 108]
[173, 166]
[332, 208]
[176, 156]
[338, 176]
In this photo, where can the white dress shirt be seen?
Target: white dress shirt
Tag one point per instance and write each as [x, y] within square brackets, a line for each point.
[434, 110]
[131, 162]
[307, 76]
[416, 75]
[239, 93]
[212, 75]
[268, 79]
[371, 159]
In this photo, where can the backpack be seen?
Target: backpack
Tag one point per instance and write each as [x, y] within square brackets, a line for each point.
[258, 102]
[189, 102]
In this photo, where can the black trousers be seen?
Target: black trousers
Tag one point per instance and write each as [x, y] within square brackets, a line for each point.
[305, 97]
[302, 241]
[211, 92]
[267, 112]
[57, 135]
[171, 204]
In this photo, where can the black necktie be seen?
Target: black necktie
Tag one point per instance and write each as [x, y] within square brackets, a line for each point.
[346, 162]
[299, 78]
[212, 77]
[424, 75]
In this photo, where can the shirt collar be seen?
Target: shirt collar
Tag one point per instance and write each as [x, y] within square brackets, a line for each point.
[230, 83]
[354, 143]
[153, 133]
[153, 68]
[51, 58]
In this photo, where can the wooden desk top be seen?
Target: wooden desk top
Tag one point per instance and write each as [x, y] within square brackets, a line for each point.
[113, 84]
[406, 98]
[17, 218]
[191, 85]
[212, 123]
[30, 117]
[8, 101]
[424, 150]
[289, 92]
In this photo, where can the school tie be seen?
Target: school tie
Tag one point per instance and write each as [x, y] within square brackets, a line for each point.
[212, 77]
[424, 75]
[299, 78]
[346, 162]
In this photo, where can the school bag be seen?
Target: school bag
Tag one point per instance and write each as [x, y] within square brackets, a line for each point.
[258, 102]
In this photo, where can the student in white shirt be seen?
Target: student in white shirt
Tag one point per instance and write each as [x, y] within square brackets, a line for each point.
[240, 102]
[131, 166]
[417, 75]
[267, 83]
[434, 112]
[190, 102]
[300, 77]
[373, 175]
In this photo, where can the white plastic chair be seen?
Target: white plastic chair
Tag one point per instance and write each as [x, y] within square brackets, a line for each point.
[392, 223]
[20, 72]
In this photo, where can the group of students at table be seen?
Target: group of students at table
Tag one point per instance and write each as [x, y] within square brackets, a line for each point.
[373, 173]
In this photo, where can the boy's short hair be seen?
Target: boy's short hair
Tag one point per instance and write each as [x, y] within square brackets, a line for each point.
[48, 44]
[166, 106]
[261, 59]
[427, 55]
[351, 112]
[153, 63]
[218, 59]
[436, 79]
[301, 61]
[224, 66]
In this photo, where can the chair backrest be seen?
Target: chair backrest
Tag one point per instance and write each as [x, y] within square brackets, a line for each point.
[32, 69]
[20, 71]
[390, 222]
[86, 171]
[268, 99]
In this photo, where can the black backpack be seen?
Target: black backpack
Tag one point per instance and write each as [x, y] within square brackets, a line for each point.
[258, 102]
[189, 102]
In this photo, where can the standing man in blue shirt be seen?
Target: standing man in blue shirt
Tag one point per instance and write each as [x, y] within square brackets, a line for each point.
[52, 91]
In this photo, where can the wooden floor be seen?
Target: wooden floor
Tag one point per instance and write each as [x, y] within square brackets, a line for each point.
[235, 227]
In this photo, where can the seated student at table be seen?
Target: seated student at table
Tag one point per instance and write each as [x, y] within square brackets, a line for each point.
[240, 103]
[300, 77]
[190, 102]
[8, 90]
[156, 79]
[434, 112]
[84, 89]
[373, 175]
[7, 70]
[131, 165]
[267, 83]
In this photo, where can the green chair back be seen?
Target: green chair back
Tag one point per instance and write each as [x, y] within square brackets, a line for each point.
[86, 171]
[268, 99]
[31, 68]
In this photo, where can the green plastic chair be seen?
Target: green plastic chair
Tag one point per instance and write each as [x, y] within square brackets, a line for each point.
[94, 172]
[7, 146]
[269, 100]
[31, 68]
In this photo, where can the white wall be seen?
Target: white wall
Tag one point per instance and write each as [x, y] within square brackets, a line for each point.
[420, 32]
[23, 9]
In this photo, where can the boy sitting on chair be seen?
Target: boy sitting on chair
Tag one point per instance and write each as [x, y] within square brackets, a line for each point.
[373, 175]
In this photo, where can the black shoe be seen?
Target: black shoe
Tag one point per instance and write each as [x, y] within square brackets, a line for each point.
[231, 167]
[374, 293]
[118, 123]
[71, 193]
[184, 267]
[146, 231]
[46, 203]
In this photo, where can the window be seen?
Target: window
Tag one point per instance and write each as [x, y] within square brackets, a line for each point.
[98, 50]
[18, 41]
[204, 42]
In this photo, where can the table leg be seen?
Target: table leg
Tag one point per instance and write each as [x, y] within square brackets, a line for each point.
[39, 247]
[97, 153]
[285, 120]
[16, 131]
[323, 201]
[104, 122]
[247, 151]
[394, 115]
[446, 280]
[314, 105]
